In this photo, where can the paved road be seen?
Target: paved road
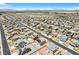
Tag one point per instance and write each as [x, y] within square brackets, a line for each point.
[0, 35]
[5, 47]
[69, 50]
[37, 50]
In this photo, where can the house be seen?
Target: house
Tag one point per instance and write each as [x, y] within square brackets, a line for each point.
[64, 38]
[52, 46]
[76, 42]
[22, 47]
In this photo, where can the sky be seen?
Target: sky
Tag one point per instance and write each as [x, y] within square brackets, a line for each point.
[39, 6]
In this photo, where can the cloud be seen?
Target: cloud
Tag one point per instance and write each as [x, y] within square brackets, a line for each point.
[4, 6]
[9, 6]
[34, 8]
[2, 2]
[71, 8]
[75, 8]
